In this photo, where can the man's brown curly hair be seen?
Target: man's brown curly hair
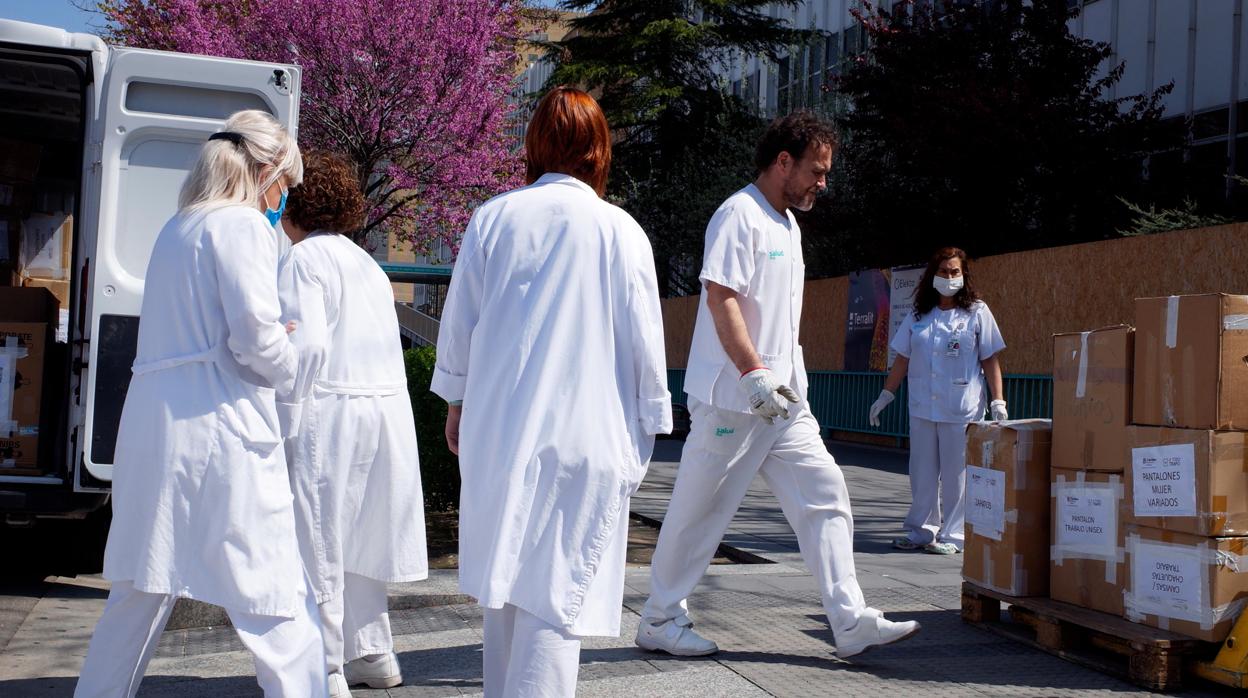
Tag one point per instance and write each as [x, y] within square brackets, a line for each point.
[329, 199]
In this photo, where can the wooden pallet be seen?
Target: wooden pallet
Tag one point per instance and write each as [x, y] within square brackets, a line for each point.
[1145, 656]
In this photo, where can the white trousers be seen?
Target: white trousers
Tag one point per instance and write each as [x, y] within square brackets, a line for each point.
[356, 622]
[290, 660]
[723, 453]
[526, 657]
[937, 479]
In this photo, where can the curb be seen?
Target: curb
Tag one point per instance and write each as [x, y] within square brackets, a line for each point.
[737, 555]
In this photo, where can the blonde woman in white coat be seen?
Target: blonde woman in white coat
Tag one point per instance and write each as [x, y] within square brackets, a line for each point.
[552, 340]
[947, 351]
[353, 462]
[202, 507]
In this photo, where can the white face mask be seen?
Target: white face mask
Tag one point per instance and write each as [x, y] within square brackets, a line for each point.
[947, 287]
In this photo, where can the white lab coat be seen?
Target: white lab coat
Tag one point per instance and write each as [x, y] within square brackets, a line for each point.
[354, 466]
[202, 506]
[947, 392]
[756, 251]
[945, 349]
[552, 337]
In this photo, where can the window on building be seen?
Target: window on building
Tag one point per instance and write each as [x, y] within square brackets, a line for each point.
[832, 52]
[854, 43]
[1210, 124]
[814, 74]
[784, 92]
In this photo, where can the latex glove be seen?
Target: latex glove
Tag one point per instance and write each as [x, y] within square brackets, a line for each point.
[766, 395]
[884, 400]
[999, 413]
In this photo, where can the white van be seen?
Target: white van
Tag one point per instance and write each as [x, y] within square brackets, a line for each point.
[98, 140]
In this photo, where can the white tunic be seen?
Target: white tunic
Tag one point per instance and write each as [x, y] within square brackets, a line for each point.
[552, 337]
[201, 501]
[756, 251]
[353, 461]
[945, 348]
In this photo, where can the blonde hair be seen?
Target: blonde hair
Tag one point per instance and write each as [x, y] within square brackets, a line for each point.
[230, 173]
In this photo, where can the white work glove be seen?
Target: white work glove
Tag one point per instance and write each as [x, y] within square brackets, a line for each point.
[884, 400]
[767, 396]
[999, 413]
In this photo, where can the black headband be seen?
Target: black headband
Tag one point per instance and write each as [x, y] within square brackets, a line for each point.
[235, 138]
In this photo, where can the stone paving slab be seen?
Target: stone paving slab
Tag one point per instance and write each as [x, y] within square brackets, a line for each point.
[766, 618]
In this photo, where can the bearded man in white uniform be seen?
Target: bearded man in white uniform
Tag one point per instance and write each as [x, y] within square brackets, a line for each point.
[747, 397]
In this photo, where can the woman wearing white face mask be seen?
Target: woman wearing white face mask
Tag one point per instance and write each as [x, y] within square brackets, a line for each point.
[945, 351]
[202, 506]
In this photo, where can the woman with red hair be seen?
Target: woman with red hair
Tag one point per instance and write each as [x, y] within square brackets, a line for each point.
[550, 353]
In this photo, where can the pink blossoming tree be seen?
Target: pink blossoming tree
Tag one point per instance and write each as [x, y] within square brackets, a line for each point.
[413, 91]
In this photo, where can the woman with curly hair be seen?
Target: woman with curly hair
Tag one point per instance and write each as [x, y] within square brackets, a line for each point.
[945, 352]
[351, 435]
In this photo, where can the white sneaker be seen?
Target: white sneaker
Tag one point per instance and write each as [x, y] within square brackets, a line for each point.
[338, 686]
[873, 630]
[674, 636]
[377, 671]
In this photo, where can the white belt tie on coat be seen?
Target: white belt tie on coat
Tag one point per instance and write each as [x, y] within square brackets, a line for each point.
[208, 356]
[328, 387]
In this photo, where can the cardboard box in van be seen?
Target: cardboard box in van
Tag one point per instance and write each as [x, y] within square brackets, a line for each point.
[26, 315]
[46, 246]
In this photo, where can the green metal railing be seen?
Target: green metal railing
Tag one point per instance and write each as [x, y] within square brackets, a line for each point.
[840, 400]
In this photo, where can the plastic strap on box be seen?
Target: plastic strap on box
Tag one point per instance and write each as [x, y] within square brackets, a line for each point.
[1172, 322]
[10, 352]
[1112, 555]
[1235, 322]
[1081, 383]
[1139, 605]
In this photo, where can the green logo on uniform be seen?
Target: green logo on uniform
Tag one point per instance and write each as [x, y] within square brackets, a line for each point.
[724, 431]
[775, 254]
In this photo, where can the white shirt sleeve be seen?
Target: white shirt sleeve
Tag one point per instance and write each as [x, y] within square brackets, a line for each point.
[303, 302]
[245, 256]
[459, 317]
[901, 340]
[729, 256]
[654, 408]
[990, 340]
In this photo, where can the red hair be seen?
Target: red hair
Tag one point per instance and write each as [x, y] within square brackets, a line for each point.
[569, 134]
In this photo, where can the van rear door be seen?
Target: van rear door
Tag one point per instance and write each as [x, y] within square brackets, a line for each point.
[156, 110]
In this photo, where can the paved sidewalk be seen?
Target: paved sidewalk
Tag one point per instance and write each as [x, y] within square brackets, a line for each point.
[766, 618]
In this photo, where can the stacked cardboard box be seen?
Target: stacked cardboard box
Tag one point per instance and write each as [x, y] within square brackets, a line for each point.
[26, 315]
[18, 169]
[1091, 413]
[45, 253]
[1186, 482]
[1007, 506]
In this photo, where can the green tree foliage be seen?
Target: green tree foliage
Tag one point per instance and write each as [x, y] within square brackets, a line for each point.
[988, 127]
[683, 145]
[439, 468]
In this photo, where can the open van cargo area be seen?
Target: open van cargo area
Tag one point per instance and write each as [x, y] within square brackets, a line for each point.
[43, 97]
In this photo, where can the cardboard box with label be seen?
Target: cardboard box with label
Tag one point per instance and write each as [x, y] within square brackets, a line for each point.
[1087, 556]
[1187, 584]
[25, 317]
[46, 246]
[1189, 480]
[1007, 506]
[1092, 398]
[1189, 362]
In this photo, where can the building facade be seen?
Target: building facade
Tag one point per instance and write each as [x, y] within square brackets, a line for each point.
[1195, 44]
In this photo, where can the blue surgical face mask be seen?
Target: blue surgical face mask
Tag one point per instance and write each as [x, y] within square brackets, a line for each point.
[275, 216]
